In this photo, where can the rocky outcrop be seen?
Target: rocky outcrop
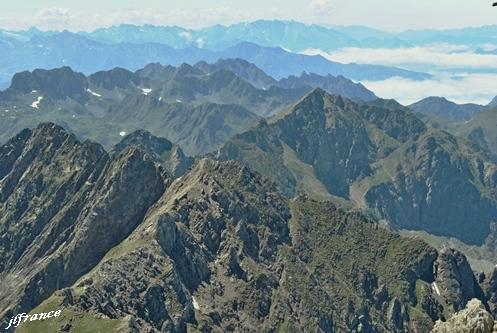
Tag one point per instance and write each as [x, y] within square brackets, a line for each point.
[474, 319]
[429, 180]
[65, 204]
[455, 280]
[161, 150]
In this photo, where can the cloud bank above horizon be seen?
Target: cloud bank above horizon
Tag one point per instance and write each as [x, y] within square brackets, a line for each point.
[384, 14]
[459, 72]
[468, 88]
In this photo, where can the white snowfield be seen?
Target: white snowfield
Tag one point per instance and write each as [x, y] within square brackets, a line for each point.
[36, 104]
[195, 304]
[93, 93]
[435, 288]
[146, 91]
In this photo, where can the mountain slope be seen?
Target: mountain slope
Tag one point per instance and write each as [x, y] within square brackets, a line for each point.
[161, 150]
[480, 131]
[58, 199]
[378, 158]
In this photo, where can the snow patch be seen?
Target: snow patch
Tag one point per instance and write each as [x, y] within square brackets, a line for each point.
[195, 304]
[122, 133]
[36, 104]
[146, 91]
[435, 288]
[179, 101]
[93, 93]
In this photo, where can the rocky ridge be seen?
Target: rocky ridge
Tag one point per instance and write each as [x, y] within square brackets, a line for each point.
[218, 249]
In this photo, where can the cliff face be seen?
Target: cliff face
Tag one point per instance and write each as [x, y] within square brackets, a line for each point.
[64, 205]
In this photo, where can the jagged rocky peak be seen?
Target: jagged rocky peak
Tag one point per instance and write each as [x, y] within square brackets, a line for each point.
[156, 72]
[216, 228]
[244, 69]
[114, 78]
[59, 83]
[187, 70]
[63, 205]
[336, 85]
[161, 150]
[472, 319]
[455, 281]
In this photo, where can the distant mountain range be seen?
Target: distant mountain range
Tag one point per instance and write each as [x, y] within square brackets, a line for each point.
[291, 35]
[199, 107]
[35, 49]
[476, 123]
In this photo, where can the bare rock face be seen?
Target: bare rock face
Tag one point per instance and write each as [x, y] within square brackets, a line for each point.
[161, 150]
[455, 280]
[473, 319]
[64, 205]
[219, 249]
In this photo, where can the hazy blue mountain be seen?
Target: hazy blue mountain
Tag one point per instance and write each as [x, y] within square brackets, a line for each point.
[83, 54]
[337, 85]
[128, 33]
[280, 63]
[441, 108]
[291, 35]
[467, 36]
[244, 69]
[493, 103]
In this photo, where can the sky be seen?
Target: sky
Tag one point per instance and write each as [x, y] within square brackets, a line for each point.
[391, 15]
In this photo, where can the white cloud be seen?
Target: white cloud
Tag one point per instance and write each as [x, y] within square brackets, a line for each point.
[62, 18]
[187, 36]
[200, 42]
[321, 5]
[438, 55]
[468, 88]
[324, 8]
[54, 18]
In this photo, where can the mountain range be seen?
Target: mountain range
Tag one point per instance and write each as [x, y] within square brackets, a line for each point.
[35, 49]
[291, 35]
[441, 109]
[376, 156]
[244, 188]
[199, 107]
[119, 244]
